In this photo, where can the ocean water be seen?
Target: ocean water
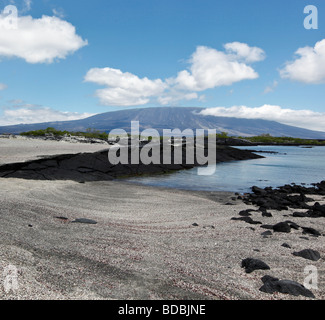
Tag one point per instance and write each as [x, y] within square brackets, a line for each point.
[289, 165]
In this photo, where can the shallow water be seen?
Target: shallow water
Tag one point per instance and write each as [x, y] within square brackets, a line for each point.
[289, 165]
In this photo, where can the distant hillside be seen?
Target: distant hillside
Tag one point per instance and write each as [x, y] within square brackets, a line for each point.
[172, 118]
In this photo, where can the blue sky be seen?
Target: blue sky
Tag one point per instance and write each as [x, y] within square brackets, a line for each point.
[233, 57]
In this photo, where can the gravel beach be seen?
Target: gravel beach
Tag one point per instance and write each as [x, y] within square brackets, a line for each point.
[114, 240]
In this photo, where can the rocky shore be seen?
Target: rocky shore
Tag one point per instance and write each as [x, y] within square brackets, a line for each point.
[109, 239]
[299, 207]
[96, 167]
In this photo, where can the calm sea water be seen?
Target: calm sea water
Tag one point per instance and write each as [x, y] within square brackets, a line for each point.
[290, 165]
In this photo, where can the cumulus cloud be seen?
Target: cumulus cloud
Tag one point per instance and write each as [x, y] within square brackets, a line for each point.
[209, 68]
[175, 96]
[300, 118]
[244, 51]
[42, 40]
[309, 66]
[124, 88]
[29, 113]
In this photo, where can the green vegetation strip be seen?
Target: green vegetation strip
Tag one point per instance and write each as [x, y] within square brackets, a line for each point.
[262, 139]
[94, 134]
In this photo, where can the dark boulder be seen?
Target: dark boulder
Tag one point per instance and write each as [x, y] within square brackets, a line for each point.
[293, 225]
[272, 285]
[246, 213]
[312, 231]
[317, 210]
[266, 214]
[251, 265]
[300, 215]
[258, 191]
[282, 227]
[308, 254]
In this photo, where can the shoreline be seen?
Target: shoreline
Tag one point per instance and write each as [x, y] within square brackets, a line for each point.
[85, 166]
[108, 240]
[145, 243]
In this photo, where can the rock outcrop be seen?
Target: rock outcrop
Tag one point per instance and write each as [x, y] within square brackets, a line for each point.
[96, 166]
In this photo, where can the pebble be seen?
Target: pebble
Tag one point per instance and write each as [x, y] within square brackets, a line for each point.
[84, 221]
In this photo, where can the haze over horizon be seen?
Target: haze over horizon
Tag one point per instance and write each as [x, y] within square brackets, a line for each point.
[235, 59]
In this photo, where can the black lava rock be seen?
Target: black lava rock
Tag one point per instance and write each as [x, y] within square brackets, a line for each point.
[300, 214]
[84, 221]
[266, 214]
[246, 213]
[272, 285]
[311, 231]
[62, 218]
[282, 227]
[258, 191]
[267, 226]
[251, 265]
[247, 220]
[293, 225]
[286, 197]
[308, 254]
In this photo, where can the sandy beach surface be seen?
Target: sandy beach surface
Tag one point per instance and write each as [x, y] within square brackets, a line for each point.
[22, 149]
[147, 243]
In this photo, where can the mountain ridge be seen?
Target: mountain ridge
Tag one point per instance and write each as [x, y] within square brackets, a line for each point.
[171, 118]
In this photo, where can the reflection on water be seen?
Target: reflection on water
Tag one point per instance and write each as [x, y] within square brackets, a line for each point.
[290, 164]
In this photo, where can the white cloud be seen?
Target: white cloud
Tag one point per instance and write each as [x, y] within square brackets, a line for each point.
[124, 88]
[175, 96]
[3, 86]
[29, 113]
[244, 51]
[300, 118]
[209, 68]
[309, 66]
[39, 40]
